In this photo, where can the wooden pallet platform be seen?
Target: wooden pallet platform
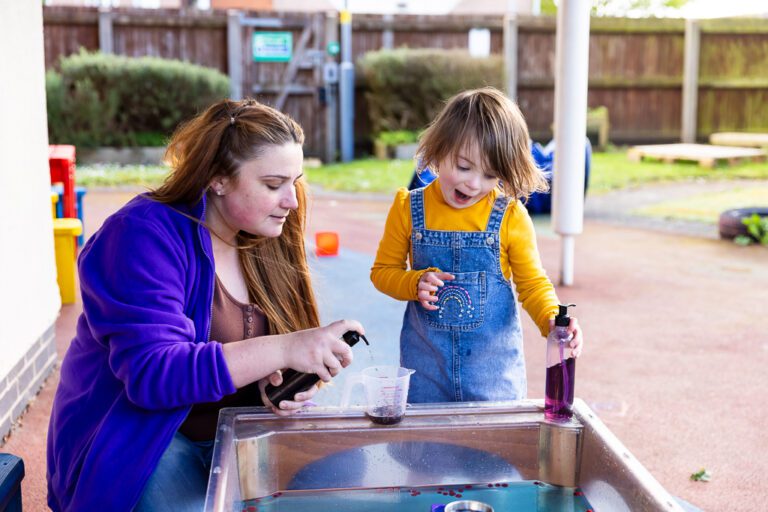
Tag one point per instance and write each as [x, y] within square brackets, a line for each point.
[742, 139]
[706, 155]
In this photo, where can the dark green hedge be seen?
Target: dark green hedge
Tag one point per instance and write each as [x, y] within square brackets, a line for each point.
[406, 88]
[109, 100]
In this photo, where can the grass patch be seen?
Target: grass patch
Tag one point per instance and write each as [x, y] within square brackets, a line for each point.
[112, 175]
[613, 170]
[707, 207]
[609, 171]
[384, 176]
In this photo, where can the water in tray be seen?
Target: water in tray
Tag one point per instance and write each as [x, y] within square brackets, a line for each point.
[526, 496]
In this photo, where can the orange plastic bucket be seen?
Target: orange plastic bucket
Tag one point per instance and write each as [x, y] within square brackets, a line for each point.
[327, 243]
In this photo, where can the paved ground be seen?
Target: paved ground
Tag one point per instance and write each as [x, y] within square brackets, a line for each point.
[675, 357]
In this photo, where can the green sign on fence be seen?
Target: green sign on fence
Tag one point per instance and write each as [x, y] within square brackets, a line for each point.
[272, 46]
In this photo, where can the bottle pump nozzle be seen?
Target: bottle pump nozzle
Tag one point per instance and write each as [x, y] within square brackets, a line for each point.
[562, 319]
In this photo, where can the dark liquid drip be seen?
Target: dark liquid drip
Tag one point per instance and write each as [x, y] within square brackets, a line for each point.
[385, 416]
[557, 406]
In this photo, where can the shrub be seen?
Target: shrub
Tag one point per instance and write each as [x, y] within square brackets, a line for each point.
[405, 88]
[108, 100]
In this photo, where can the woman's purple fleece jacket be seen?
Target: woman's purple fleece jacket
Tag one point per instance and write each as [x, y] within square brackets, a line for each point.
[141, 356]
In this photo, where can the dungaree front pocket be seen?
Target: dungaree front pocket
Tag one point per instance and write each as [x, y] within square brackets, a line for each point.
[461, 303]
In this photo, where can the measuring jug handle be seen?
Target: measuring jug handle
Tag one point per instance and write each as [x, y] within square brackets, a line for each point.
[349, 385]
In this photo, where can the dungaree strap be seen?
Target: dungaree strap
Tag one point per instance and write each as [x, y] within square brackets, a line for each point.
[497, 214]
[417, 208]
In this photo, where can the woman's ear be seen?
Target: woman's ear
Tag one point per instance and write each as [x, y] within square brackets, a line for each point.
[219, 185]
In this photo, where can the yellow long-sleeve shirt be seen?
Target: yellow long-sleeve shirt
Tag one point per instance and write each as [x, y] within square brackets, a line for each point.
[519, 255]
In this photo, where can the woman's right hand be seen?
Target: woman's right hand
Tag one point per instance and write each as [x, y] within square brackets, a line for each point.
[321, 350]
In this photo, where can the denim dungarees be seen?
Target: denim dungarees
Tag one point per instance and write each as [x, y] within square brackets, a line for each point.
[471, 349]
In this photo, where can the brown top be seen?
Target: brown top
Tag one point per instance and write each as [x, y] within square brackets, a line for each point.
[230, 321]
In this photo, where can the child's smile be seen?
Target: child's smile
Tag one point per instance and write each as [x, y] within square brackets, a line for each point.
[461, 197]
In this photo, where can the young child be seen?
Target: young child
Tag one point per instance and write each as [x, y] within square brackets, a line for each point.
[465, 235]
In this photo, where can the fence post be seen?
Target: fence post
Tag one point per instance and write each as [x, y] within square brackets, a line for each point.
[106, 41]
[388, 35]
[690, 80]
[235, 54]
[332, 89]
[347, 89]
[510, 54]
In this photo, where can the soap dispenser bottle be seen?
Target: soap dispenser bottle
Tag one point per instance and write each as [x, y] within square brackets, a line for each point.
[296, 382]
[561, 369]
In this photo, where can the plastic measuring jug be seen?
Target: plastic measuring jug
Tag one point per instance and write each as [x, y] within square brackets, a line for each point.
[386, 392]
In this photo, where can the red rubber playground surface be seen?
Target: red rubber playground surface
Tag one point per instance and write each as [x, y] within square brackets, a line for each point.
[675, 357]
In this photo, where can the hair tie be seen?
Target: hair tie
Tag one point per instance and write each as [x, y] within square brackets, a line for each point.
[231, 120]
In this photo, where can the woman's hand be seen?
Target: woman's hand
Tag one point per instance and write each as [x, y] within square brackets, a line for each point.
[285, 407]
[321, 350]
[426, 288]
[577, 337]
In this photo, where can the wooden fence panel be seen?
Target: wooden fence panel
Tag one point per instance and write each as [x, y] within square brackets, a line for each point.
[638, 77]
[66, 30]
[202, 45]
[733, 77]
[262, 80]
[635, 68]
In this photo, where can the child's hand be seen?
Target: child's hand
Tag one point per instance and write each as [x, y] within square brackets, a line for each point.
[577, 338]
[427, 287]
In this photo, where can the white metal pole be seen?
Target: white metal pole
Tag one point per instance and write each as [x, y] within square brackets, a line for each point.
[572, 66]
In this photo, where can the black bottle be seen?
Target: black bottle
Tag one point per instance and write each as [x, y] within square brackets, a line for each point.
[296, 382]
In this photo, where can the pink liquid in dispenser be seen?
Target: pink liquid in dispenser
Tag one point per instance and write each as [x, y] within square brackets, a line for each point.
[558, 402]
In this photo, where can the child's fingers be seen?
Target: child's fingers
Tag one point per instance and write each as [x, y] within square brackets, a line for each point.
[428, 305]
[427, 296]
[577, 343]
[445, 276]
[432, 280]
[427, 286]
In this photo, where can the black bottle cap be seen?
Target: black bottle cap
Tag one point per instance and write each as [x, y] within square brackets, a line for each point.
[352, 337]
[562, 319]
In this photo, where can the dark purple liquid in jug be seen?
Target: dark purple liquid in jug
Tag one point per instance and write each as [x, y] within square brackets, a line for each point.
[385, 416]
[558, 402]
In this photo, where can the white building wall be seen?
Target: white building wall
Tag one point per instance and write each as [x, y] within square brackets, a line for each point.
[29, 295]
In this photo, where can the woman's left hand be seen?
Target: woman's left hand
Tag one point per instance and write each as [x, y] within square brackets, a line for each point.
[577, 337]
[285, 407]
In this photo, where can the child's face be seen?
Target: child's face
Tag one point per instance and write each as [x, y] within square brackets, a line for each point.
[465, 182]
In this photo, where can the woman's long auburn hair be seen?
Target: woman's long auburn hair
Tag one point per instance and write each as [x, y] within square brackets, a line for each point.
[216, 143]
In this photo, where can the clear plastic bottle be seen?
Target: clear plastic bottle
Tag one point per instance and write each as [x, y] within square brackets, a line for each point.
[561, 369]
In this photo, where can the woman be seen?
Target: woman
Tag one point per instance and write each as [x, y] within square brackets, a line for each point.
[194, 297]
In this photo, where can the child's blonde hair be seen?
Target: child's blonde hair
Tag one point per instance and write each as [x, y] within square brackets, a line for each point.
[491, 120]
